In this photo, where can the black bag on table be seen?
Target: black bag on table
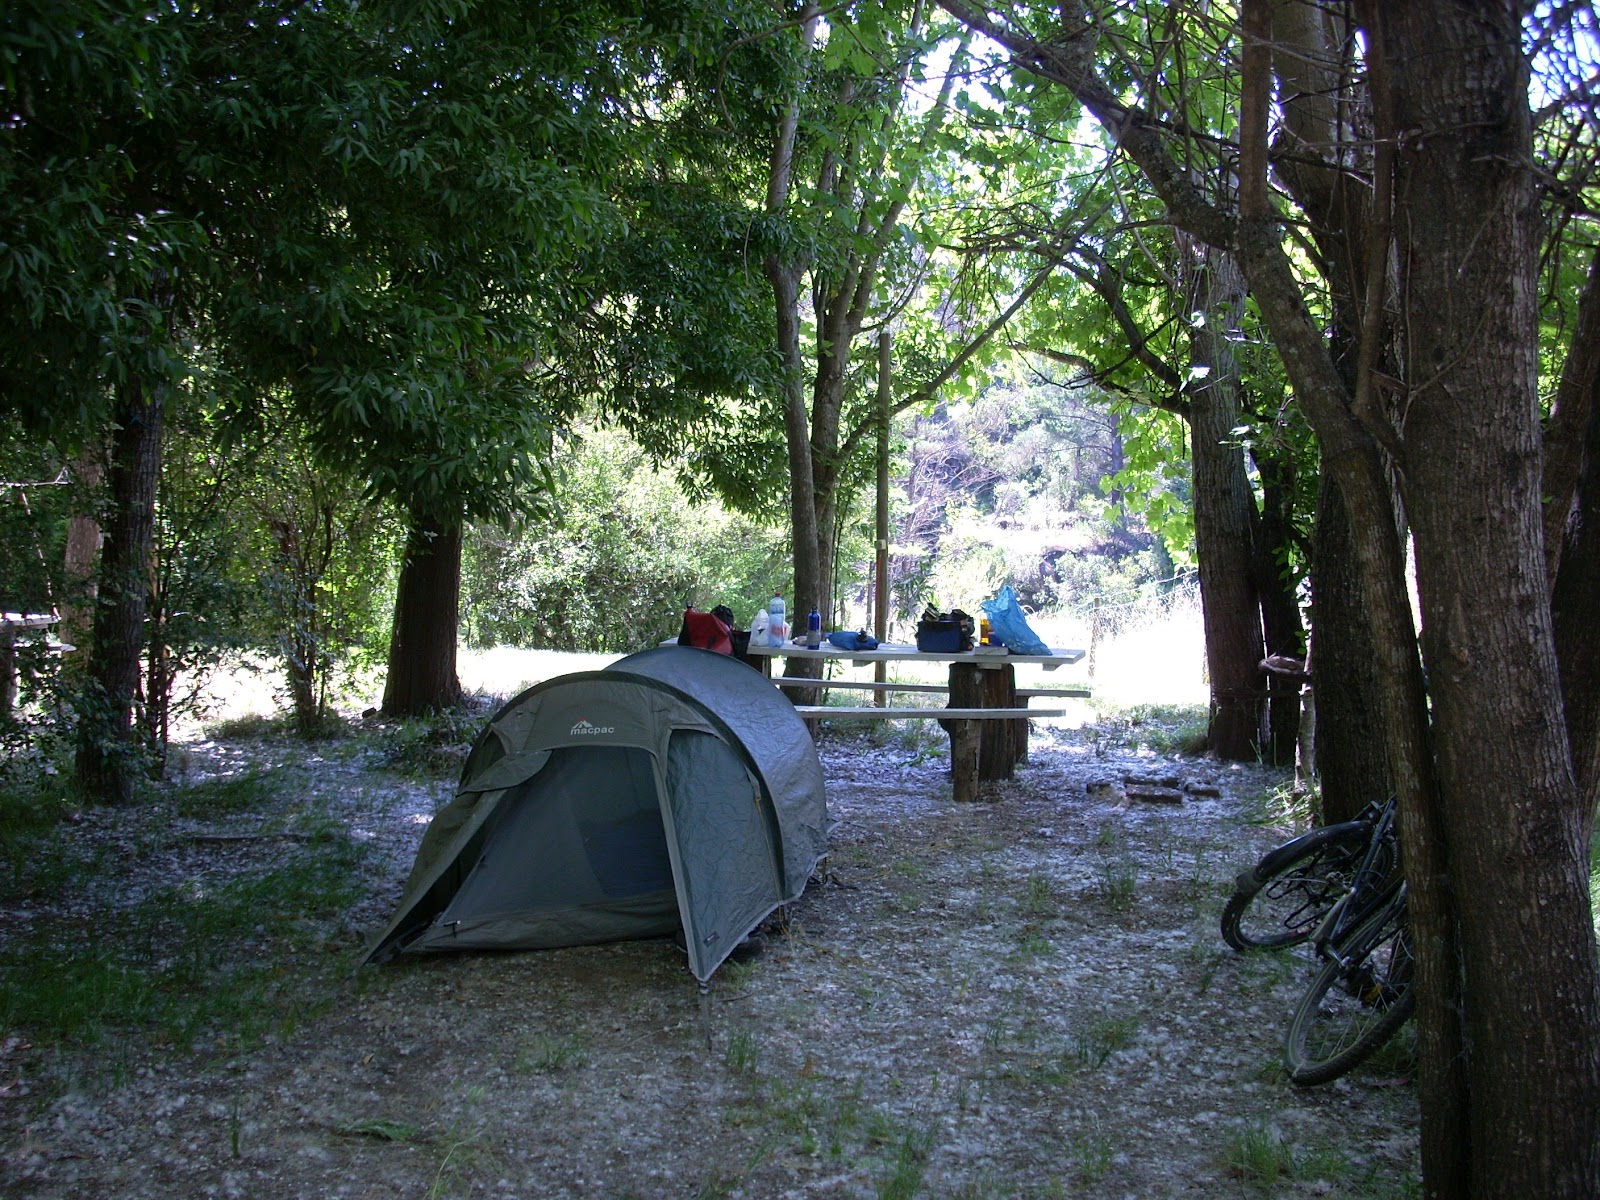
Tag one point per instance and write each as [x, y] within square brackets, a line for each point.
[944, 633]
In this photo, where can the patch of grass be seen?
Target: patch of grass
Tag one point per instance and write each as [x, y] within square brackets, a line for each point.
[546, 1054]
[1164, 729]
[1282, 806]
[1031, 943]
[1057, 1062]
[194, 961]
[1206, 961]
[909, 868]
[1093, 1153]
[1119, 881]
[1092, 1047]
[1397, 1056]
[819, 1117]
[1038, 897]
[34, 861]
[1200, 885]
[1257, 1154]
[906, 1168]
[431, 747]
[229, 794]
[251, 727]
[736, 974]
[37, 865]
[742, 1055]
[380, 1129]
[718, 1185]
[465, 1159]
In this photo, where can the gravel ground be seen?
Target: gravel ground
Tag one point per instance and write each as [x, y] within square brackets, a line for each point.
[1021, 997]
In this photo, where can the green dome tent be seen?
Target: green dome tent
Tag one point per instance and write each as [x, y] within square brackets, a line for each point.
[675, 788]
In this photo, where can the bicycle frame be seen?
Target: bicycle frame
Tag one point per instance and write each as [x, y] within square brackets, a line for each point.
[1370, 887]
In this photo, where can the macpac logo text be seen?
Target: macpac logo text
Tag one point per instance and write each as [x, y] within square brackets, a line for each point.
[586, 728]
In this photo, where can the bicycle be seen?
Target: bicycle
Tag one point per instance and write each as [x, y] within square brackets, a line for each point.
[1362, 996]
[1286, 896]
[1340, 888]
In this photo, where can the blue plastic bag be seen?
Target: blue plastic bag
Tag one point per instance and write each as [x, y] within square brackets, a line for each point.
[1006, 619]
[853, 639]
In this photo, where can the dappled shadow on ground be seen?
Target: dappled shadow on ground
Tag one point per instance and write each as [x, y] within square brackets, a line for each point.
[1021, 997]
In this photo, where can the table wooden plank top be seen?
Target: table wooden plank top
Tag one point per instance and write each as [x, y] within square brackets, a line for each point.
[899, 652]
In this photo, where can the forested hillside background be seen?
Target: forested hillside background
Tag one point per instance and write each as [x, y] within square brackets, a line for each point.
[1010, 487]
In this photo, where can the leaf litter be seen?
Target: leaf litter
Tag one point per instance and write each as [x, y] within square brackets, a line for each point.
[1021, 997]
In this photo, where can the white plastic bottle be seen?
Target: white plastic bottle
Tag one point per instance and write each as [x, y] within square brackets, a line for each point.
[777, 621]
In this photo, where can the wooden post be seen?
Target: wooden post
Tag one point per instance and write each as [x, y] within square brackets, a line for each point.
[8, 670]
[1094, 634]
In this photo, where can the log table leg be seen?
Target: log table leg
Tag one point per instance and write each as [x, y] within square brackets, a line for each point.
[1001, 744]
[8, 671]
[964, 737]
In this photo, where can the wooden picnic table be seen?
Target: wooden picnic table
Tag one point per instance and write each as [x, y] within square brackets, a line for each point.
[986, 714]
[12, 624]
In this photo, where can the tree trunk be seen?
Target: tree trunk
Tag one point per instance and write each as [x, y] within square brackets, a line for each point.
[1224, 519]
[422, 649]
[784, 272]
[1317, 143]
[1352, 761]
[1490, 816]
[1576, 580]
[82, 552]
[1466, 220]
[1281, 626]
[106, 757]
[1577, 584]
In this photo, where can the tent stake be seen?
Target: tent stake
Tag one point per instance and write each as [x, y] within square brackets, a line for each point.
[705, 1014]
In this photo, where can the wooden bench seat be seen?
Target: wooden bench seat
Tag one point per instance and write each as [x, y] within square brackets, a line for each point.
[938, 714]
[937, 689]
[962, 724]
[864, 685]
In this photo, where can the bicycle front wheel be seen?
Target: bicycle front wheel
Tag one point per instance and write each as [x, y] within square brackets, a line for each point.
[1357, 1002]
[1283, 898]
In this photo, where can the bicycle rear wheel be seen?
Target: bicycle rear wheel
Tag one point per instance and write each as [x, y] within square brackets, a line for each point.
[1283, 898]
[1362, 995]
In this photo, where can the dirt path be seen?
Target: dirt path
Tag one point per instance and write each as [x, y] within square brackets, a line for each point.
[1024, 997]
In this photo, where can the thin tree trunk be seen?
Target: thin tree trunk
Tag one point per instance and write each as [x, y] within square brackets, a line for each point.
[784, 275]
[82, 553]
[1577, 585]
[1318, 140]
[1352, 760]
[106, 758]
[1281, 626]
[1224, 519]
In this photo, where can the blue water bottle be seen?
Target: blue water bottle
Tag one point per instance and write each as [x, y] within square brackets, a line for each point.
[814, 629]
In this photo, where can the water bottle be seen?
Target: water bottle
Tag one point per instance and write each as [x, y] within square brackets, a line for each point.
[777, 622]
[814, 629]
